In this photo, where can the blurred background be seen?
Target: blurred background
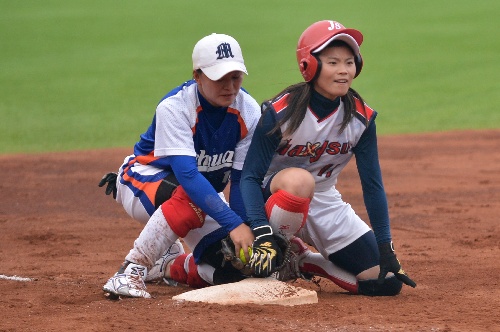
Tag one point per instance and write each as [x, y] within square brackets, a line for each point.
[77, 75]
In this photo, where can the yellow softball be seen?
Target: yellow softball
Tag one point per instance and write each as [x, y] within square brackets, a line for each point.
[242, 254]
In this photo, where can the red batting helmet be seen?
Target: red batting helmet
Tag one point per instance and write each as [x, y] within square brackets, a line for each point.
[316, 37]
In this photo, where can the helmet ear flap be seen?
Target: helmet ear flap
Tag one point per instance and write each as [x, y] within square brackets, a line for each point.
[303, 67]
[309, 67]
[358, 61]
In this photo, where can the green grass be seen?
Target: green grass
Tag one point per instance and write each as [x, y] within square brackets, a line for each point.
[88, 74]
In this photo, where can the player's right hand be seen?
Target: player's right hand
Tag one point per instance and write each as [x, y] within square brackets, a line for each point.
[266, 255]
[110, 179]
[242, 238]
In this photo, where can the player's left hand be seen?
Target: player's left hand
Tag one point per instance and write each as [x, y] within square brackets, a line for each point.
[266, 255]
[110, 179]
[390, 263]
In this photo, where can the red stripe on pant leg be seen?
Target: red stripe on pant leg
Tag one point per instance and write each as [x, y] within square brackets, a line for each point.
[177, 271]
[193, 278]
[318, 271]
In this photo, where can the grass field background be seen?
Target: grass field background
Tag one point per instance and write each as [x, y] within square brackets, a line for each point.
[78, 75]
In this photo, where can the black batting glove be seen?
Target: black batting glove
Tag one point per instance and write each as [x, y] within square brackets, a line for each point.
[110, 179]
[390, 263]
[266, 255]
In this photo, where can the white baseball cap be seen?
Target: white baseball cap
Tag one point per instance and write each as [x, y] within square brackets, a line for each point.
[218, 54]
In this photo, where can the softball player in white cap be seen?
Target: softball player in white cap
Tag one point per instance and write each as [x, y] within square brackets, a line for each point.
[197, 142]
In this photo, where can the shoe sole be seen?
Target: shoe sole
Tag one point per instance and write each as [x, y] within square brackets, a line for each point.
[111, 296]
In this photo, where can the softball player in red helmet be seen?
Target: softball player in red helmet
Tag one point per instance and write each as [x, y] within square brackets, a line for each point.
[307, 134]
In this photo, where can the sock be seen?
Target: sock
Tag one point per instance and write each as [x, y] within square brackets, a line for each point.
[286, 212]
[154, 240]
[185, 271]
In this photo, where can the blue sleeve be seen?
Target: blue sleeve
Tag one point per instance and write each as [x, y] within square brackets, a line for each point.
[235, 199]
[257, 163]
[374, 195]
[202, 193]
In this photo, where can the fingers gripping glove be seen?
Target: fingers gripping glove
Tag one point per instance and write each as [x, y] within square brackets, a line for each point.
[266, 255]
[390, 263]
[110, 179]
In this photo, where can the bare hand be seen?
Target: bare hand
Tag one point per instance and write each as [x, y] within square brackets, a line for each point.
[242, 237]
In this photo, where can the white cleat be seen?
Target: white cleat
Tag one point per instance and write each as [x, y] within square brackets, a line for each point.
[128, 285]
[157, 272]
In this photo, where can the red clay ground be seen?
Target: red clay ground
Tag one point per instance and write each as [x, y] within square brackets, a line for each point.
[58, 227]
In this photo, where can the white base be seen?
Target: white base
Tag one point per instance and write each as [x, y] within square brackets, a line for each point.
[251, 290]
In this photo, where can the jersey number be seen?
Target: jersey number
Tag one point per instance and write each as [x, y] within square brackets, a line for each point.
[227, 174]
[327, 170]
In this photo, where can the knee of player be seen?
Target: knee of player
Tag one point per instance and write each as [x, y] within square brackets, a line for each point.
[392, 286]
[296, 181]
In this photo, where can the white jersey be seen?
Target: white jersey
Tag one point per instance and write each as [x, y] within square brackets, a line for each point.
[177, 121]
[317, 145]
[181, 127]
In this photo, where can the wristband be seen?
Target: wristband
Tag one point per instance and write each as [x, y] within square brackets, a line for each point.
[261, 231]
[386, 248]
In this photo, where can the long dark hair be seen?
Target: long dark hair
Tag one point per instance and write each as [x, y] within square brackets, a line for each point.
[299, 98]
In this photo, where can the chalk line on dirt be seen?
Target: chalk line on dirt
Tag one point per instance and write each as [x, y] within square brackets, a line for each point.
[15, 278]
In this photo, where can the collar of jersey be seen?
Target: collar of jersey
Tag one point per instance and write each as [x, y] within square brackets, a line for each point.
[321, 105]
[206, 106]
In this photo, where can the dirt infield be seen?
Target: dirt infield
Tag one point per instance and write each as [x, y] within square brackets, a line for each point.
[59, 229]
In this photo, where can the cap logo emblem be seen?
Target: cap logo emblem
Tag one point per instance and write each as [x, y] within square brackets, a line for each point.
[334, 26]
[224, 51]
